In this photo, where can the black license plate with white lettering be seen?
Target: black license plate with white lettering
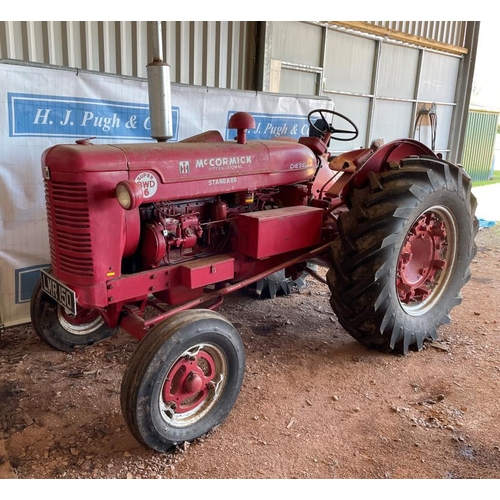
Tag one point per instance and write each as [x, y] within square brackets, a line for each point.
[59, 292]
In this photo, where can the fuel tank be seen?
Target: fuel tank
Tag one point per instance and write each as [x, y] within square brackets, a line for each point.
[183, 170]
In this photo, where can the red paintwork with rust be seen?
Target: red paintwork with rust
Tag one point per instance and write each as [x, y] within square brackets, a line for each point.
[263, 164]
[91, 234]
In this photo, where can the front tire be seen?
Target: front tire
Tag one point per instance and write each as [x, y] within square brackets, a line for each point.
[403, 254]
[62, 330]
[183, 379]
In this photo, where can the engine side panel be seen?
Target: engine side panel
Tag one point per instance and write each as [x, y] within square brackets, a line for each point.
[274, 232]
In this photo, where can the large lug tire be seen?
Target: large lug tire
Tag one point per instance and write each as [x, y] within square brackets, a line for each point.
[62, 330]
[403, 254]
[279, 284]
[275, 284]
[183, 379]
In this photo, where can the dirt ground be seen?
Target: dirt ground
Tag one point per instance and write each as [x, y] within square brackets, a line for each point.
[315, 404]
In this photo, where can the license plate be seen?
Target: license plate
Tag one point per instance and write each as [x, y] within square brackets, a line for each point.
[59, 292]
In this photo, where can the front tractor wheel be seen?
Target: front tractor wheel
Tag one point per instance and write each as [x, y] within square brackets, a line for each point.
[183, 379]
[403, 254]
[62, 330]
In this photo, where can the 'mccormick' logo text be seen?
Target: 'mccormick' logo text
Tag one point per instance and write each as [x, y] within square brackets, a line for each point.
[224, 163]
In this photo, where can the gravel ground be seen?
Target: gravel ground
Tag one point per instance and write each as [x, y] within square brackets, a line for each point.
[315, 404]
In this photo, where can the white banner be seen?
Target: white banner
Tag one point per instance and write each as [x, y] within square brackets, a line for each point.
[40, 107]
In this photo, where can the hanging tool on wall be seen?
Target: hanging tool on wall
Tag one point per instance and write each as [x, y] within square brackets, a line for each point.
[426, 117]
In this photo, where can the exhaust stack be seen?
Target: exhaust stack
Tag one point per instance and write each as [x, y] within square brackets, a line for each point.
[160, 99]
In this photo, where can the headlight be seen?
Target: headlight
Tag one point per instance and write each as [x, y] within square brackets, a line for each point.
[129, 194]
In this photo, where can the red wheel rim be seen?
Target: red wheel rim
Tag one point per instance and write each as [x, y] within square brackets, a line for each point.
[82, 317]
[193, 385]
[426, 259]
[84, 322]
[189, 382]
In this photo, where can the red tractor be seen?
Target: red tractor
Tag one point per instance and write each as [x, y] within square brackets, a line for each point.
[151, 237]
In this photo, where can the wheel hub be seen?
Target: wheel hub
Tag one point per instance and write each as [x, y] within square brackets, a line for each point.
[82, 316]
[422, 258]
[189, 382]
[84, 322]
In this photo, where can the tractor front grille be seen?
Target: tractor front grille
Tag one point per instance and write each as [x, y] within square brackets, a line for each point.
[69, 227]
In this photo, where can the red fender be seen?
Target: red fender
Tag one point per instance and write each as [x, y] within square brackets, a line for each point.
[393, 151]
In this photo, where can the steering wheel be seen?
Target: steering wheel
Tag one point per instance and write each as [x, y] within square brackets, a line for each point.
[330, 128]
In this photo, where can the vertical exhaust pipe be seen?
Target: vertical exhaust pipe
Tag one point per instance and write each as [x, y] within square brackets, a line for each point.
[160, 99]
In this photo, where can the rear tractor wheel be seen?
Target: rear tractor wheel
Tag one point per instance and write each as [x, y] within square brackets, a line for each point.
[279, 284]
[403, 254]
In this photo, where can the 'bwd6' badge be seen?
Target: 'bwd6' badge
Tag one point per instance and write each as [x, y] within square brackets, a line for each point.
[148, 183]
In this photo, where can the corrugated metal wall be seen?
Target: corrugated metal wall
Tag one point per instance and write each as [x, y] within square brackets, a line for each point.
[210, 53]
[479, 144]
[377, 81]
[241, 54]
[450, 32]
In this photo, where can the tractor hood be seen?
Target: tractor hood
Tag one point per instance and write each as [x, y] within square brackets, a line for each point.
[174, 171]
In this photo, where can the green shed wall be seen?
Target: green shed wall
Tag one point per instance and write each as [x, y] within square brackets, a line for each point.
[479, 145]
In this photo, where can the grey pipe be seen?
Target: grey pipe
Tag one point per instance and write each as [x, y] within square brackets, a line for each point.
[160, 98]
